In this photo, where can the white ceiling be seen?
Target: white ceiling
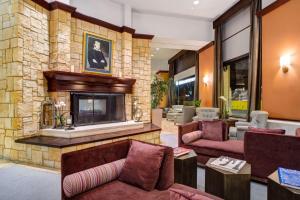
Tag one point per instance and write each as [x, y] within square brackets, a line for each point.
[208, 9]
[163, 53]
[160, 57]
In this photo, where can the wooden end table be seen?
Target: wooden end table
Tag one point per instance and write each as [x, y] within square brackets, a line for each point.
[280, 192]
[228, 185]
[185, 169]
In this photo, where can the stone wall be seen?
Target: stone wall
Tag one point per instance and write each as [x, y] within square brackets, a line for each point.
[33, 40]
[141, 71]
[24, 47]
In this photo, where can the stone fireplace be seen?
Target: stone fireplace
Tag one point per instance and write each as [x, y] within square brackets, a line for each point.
[43, 39]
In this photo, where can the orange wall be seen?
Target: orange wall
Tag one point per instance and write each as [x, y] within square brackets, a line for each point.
[206, 67]
[281, 35]
[164, 101]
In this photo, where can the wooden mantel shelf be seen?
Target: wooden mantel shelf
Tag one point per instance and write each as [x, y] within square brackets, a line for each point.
[60, 81]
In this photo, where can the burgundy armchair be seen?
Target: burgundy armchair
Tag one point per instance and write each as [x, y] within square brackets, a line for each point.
[268, 151]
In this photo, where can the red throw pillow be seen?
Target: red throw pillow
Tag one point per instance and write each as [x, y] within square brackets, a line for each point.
[192, 136]
[142, 165]
[213, 130]
[267, 130]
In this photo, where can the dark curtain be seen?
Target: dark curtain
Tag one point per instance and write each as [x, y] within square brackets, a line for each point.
[255, 60]
[218, 69]
[171, 89]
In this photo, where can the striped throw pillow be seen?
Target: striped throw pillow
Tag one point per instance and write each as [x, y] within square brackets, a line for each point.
[82, 181]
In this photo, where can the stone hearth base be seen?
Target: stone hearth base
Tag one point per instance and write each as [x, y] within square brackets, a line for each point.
[49, 156]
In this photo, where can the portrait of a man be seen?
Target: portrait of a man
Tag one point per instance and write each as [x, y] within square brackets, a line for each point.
[97, 54]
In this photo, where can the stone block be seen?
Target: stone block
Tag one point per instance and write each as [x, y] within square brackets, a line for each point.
[54, 154]
[8, 142]
[24, 109]
[17, 123]
[4, 97]
[37, 157]
[49, 163]
[14, 154]
[16, 97]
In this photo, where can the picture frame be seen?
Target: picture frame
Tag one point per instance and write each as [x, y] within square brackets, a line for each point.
[97, 54]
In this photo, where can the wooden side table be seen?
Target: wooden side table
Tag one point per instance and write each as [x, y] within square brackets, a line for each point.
[185, 169]
[280, 192]
[228, 185]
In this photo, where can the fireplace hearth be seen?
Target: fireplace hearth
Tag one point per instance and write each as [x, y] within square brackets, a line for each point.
[97, 108]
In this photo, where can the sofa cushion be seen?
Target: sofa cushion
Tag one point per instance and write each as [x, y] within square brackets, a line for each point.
[176, 194]
[119, 190]
[232, 148]
[142, 165]
[213, 130]
[267, 130]
[182, 192]
[82, 181]
[192, 136]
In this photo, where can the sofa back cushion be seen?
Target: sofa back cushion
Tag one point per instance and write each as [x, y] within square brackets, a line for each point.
[267, 130]
[166, 174]
[192, 136]
[82, 181]
[142, 165]
[213, 130]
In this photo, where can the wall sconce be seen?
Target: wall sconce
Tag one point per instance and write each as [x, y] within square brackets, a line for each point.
[205, 80]
[285, 63]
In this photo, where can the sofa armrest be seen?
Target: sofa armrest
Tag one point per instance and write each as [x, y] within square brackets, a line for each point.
[186, 128]
[189, 191]
[242, 128]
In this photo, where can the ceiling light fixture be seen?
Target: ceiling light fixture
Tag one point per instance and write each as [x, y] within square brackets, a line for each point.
[196, 2]
[157, 49]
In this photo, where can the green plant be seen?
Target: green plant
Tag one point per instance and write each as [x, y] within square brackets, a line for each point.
[197, 103]
[159, 88]
[225, 111]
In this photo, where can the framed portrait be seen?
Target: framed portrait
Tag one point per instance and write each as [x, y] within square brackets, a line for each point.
[97, 55]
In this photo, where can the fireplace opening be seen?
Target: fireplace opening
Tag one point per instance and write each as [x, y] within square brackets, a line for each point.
[97, 108]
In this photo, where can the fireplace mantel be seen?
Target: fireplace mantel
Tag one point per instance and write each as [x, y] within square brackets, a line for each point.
[60, 81]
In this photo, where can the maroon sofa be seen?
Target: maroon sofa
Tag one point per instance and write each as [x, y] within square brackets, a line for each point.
[84, 159]
[207, 149]
[264, 151]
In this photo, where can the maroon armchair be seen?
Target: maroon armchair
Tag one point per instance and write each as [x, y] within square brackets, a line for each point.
[87, 158]
[267, 151]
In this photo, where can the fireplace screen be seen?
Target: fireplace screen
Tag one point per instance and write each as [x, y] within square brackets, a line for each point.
[97, 108]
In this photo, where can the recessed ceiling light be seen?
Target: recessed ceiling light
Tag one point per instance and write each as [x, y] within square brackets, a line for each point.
[157, 49]
[196, 2]
[152, 55]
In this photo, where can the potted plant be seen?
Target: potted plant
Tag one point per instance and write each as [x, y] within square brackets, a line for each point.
[159, 88]
[224, 111]
[59, 115]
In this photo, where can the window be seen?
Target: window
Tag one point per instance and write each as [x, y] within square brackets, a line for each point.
[185, 90]
[236, 85]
